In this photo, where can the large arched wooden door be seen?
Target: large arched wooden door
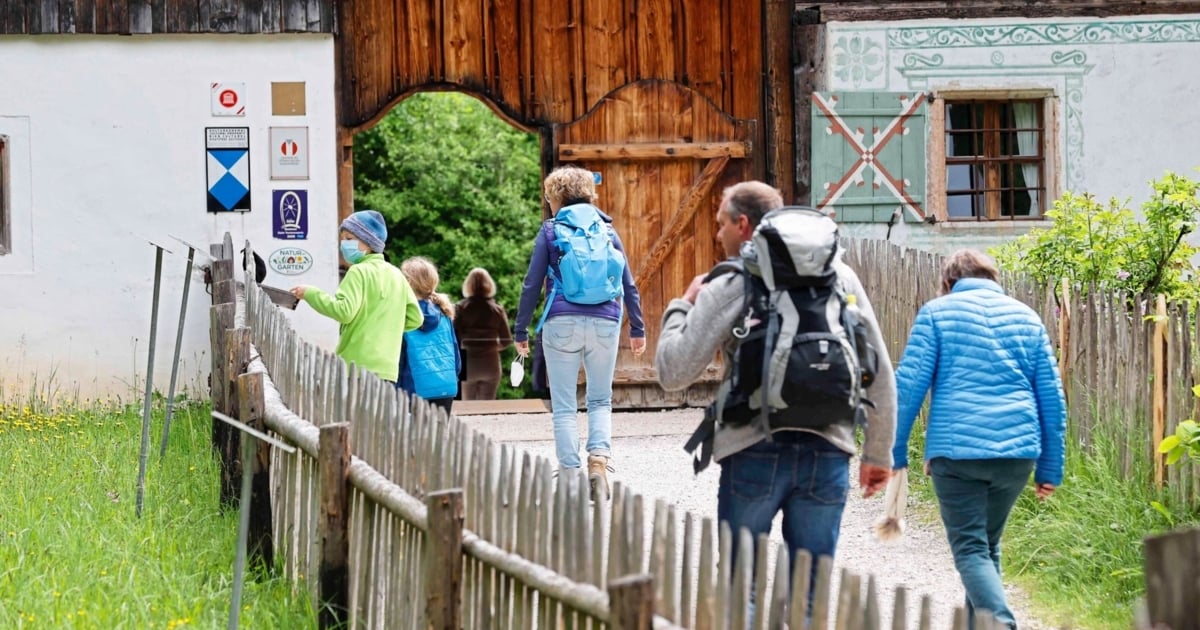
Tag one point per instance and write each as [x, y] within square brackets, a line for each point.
[664, 152]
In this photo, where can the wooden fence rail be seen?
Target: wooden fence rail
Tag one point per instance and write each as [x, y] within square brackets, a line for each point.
[395, 515]
[1128, 365]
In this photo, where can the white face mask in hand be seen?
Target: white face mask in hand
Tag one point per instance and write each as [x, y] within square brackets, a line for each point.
[516, 372]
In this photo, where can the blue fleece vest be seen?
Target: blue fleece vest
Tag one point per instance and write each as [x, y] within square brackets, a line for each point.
[430, 364]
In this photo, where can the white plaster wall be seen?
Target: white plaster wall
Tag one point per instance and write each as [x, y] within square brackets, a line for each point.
[107, 139]
[1125, 87]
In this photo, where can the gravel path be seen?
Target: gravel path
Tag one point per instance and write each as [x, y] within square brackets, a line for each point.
[649, 458]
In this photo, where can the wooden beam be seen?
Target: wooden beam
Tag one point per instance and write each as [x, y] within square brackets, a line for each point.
[444, 564]
[688, 205]
[935, 188]
[1159, 392]
[778, 103]
[808, 76]
[631, 602]
[884, 11]
[1172, 570]
[651, 151]
[237, 357]
[260, 545]
[333, 466]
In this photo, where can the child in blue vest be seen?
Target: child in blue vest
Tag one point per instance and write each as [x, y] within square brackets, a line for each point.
[429, 359]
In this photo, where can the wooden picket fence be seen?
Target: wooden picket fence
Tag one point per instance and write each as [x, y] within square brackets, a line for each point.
[1128, 366]
[395, 515]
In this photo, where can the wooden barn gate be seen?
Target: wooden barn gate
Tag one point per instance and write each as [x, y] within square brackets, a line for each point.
[667, 100]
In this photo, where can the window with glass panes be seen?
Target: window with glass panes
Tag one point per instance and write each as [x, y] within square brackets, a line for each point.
[995, 160]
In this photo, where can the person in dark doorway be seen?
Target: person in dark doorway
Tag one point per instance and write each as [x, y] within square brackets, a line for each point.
[483, 333]
[430, 360]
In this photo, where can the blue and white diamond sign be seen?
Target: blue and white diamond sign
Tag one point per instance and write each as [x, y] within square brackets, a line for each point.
[227, 152]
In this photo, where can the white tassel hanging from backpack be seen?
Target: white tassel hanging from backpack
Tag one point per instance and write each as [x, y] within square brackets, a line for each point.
[895, 500]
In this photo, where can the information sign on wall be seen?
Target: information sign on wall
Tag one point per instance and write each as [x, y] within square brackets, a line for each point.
[228, 99]
[290, 214]
[227, 156]
[289, 152]
[290, 261]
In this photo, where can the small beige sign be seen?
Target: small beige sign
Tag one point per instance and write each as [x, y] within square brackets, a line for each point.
[287, 98]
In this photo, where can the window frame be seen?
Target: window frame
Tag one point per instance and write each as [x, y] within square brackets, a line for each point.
[936, 150]
[5, 198]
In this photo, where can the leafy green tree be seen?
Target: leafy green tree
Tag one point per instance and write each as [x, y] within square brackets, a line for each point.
[457, 185]
[1105, 245]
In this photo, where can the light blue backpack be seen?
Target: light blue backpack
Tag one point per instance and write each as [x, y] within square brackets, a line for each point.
[590, 267]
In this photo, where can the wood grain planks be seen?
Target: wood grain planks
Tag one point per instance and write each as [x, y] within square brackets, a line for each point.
[604, 55]
[463, 43]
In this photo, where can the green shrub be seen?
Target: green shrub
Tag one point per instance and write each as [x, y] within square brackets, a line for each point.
[1091, 243]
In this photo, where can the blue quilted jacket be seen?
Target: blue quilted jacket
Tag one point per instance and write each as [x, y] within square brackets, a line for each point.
[996, 392]
[429, 359]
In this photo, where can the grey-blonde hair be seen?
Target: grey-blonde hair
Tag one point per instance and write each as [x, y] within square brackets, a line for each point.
[967, 263]
[479, 283]
[422, 275]
[569, 184]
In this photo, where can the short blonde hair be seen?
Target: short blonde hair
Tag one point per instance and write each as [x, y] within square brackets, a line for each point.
[422, 276]
[569, 184]
[479, 283]
[967, 263]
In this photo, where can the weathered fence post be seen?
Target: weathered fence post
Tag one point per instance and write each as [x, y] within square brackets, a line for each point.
[631, 602]
[1172, 569]
[236, 357]
[261, 545]
[1064, 340]
[443, 565]
[333, 462]
[221, 317]
[1159, 395]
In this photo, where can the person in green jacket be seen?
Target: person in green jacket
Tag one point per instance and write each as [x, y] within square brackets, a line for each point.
[374, 303]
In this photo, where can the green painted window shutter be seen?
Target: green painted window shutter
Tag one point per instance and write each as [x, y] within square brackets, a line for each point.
[868, 154]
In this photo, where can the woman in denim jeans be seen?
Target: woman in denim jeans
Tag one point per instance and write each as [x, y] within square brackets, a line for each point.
[575, 334]
[996, 413]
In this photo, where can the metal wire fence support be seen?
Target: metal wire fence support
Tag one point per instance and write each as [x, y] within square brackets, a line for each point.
[249, 450]
[187, 285]
[145, 449]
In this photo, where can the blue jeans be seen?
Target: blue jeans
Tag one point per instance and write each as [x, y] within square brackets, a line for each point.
[568, 341]
[800, 473]
[975, 497]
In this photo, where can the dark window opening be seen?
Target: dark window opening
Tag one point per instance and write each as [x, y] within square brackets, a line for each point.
[995, 163]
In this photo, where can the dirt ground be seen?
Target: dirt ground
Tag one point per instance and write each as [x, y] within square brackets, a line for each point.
[648, 457]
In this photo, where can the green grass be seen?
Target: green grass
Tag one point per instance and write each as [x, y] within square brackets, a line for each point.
[1078, 555]
[74, 554]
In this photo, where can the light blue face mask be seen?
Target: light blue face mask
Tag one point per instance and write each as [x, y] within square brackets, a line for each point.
[351, 252]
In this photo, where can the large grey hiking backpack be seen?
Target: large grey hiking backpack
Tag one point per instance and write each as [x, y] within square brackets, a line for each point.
[803, 359]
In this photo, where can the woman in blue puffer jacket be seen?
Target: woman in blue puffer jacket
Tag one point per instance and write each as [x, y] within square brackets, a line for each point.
[996, 413]
[429, 359]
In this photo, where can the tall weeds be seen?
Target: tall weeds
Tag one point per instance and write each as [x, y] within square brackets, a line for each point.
[1079, 554]
[73, 553]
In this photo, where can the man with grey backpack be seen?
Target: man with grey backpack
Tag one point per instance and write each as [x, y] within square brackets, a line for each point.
[805, 367]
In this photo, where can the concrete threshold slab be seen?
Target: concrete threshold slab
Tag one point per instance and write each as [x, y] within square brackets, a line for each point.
[498, 407]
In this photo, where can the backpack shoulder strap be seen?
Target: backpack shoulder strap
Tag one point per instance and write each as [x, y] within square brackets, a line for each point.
[733, 265]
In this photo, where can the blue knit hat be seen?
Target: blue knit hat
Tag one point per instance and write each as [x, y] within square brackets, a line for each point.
[369, 227]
